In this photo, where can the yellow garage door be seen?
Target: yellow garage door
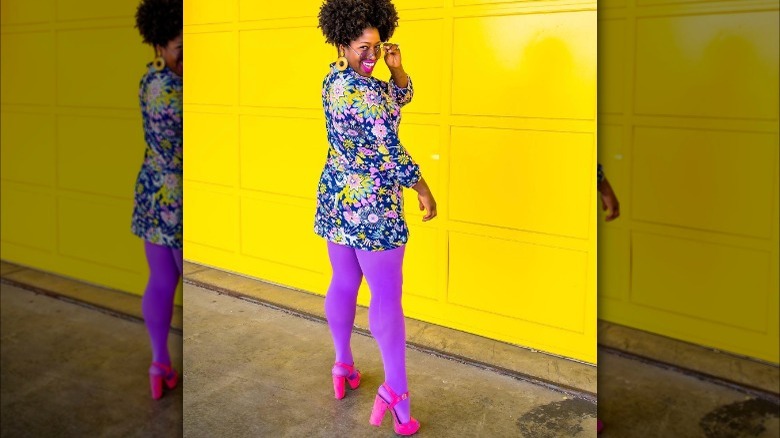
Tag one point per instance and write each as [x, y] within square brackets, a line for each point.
[72, 139]
[688, 128]
[503, 124]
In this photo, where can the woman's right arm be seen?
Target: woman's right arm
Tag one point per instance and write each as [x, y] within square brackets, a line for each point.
[366, 136]
[368, 140]
[425, 198]
[609, 199]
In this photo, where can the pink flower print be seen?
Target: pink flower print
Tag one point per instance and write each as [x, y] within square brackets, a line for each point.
[338, 89]
[155, 88]
[388, 165]
[371, 98]
[391, 214]
[169, 218]
[354, 182]
[352, 217]
[373, 218]
[352, 132]
[367, 152]
[171, 180]
[379, 131]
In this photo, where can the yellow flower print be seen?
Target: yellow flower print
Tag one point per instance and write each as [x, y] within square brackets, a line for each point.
[357, 188]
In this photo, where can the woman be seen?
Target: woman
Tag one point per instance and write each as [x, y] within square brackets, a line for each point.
[360, 199]
[157, 216]
[609, 202]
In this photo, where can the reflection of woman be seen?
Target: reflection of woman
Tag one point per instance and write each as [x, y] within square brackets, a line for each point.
[609, 202]
[157, 216]
[360, 199]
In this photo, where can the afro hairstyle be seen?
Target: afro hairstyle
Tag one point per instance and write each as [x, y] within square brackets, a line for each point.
[343, 21]
[159, 21]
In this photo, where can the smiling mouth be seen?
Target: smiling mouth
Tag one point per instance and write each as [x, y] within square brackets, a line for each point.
[368, 65]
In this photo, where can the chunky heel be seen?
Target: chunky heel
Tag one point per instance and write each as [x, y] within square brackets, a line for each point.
[156, 383]
[352, 377]
[378, 412]
[338, 386]
[159, 373]
[381, 406]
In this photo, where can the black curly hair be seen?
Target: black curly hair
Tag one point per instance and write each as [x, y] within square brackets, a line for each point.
[343, 21]
[159, 21]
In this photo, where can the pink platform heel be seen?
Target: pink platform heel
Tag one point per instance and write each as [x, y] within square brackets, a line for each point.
[353, 378]
[381, 406]
[159, 373]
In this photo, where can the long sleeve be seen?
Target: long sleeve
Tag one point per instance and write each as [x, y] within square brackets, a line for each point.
[157, 211]
[161, 101]
[368, 137]
[402, 96]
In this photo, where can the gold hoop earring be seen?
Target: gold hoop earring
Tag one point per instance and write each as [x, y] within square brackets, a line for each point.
[342, 63]
[159, 63]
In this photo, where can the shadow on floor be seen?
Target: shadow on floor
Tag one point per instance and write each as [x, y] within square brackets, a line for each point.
[73, 371]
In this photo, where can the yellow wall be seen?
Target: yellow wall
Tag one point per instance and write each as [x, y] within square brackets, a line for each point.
[503, 124]
[688, 135]
[72, 139]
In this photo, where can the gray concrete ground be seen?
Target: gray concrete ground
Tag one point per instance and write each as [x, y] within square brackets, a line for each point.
[251, 370]
[254, 371]
[639, 399]
[73, 371]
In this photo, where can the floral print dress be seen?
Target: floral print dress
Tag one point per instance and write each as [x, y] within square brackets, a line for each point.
[157, 213]
[360, 197]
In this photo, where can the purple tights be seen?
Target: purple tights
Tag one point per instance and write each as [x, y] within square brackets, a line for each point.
[165, 268]
[382, 270]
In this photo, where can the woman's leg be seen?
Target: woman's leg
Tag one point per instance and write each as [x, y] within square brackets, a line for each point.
[341, 299]
[178, 257]
[157, 303]
[383, 271]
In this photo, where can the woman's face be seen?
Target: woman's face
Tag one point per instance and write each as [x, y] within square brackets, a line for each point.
[364, 52]
[173, 53]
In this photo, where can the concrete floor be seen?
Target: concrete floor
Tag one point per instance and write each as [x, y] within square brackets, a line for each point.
[73, 371]
[251, 370]
[256, 371]
[638, 399]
